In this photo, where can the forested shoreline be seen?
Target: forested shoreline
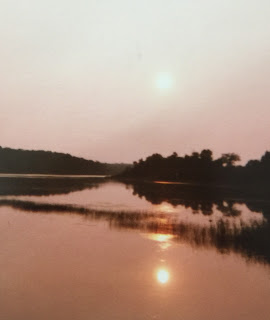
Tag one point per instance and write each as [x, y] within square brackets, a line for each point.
[200, 167]
[47, 162]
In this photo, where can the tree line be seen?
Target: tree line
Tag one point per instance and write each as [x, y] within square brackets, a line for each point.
[200, 167]
[47, 162]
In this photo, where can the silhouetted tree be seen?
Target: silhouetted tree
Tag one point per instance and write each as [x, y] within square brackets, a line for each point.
[195, 155]
[229, 159]
[206, 155]
[266, 158]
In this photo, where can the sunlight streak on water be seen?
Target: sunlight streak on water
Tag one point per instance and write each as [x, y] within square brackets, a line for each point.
[164, 240]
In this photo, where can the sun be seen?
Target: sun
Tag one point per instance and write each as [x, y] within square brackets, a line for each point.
[164, 81]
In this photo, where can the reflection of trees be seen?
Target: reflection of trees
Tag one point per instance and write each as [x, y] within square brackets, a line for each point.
[228, 209]
[252, 240]
[45, 186]
[198, 198]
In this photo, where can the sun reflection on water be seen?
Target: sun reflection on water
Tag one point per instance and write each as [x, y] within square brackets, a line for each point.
[162, 239]
[163, 276]
[165, 208]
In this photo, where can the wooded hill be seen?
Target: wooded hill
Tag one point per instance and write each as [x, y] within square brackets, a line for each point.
[47, 162]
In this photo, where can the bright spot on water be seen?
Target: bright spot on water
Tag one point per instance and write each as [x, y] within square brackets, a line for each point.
[163, 276]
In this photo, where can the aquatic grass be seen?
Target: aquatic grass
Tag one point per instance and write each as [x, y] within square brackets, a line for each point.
[252, 241]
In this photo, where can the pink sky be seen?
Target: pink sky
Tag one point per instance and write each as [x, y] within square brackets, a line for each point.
[80, 77]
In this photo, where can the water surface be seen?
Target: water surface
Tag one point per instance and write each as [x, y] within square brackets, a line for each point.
[98, 249]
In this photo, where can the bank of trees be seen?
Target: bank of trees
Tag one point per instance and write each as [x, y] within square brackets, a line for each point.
[47, 162]
[200, 166]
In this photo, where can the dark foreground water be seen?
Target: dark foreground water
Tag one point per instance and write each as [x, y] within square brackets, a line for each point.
[86, 248]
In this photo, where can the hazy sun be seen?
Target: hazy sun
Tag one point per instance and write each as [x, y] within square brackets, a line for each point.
[164, 81]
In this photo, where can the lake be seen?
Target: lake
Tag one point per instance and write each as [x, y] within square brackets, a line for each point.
[91, 248]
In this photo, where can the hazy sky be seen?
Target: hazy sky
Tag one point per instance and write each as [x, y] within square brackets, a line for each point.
[84, 76]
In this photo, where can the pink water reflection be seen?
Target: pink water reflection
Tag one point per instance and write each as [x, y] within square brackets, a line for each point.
[65, 267]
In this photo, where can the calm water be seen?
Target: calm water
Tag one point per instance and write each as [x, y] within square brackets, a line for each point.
[86, 248]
